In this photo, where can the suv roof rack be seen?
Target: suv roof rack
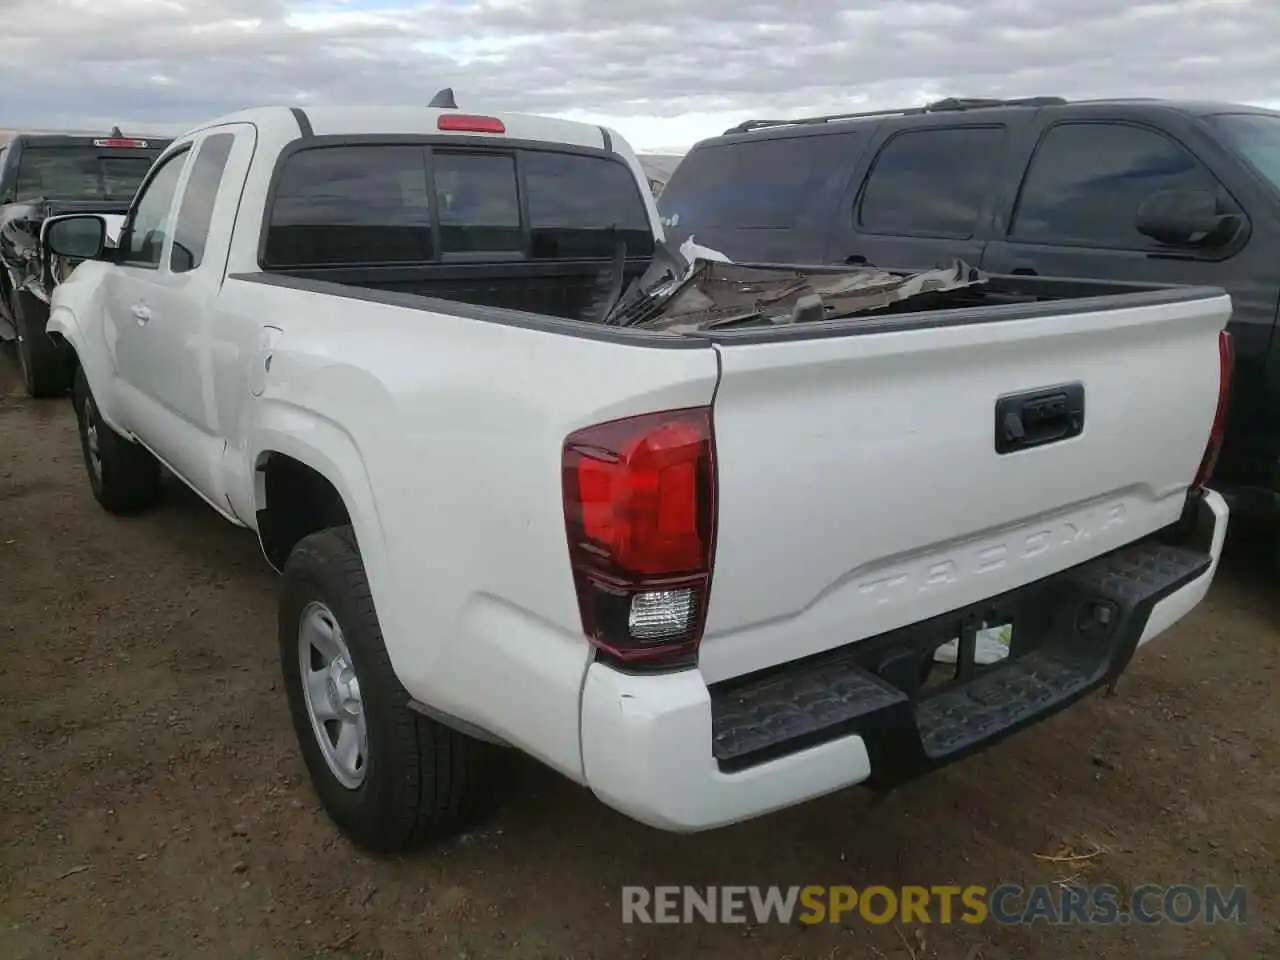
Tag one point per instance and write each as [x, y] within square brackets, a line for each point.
[938, 106]
[1123, 100]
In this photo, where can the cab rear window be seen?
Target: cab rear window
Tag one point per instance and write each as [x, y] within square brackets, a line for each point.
[79, 173]
[403, 204]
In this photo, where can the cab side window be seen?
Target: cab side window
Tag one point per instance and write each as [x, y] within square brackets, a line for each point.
[152, 220]
[1087, 180]
[195, 214]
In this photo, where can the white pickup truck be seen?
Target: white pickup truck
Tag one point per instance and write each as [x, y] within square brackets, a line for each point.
[735, 539]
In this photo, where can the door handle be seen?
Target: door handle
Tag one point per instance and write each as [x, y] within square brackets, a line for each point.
[141, 312]
[1040, 417]
[1024, 272]
[855, 258]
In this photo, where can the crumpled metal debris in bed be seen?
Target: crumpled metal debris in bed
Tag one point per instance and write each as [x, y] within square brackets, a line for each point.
[716, 293]
[719, 294]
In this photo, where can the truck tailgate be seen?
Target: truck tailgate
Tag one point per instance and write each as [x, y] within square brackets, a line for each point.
[861, 487]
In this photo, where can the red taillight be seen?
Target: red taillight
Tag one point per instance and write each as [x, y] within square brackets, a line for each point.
[466, 123]
[639, 507]
[120, 142]
[1226, 368]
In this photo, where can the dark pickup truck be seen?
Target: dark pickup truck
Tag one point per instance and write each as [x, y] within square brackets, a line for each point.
[41, 176]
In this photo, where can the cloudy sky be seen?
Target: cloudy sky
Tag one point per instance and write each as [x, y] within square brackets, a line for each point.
[664, 72]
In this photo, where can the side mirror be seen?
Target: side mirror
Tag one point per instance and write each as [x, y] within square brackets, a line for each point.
[1186, 218]
[77, 236]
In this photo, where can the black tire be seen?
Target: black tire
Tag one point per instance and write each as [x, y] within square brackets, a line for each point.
[421, 780]
[44, 372]
[125, 477]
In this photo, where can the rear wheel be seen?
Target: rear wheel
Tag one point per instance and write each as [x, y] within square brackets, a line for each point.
[124, 476]
[389, 778]
[43, 369]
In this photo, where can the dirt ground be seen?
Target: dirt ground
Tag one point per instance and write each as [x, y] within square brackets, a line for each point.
[154, 804]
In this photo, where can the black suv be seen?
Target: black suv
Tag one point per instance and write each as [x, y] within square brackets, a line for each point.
[1136, 190]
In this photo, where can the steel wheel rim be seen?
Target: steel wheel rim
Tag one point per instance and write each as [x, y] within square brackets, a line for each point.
[92, 439]
[331, 691]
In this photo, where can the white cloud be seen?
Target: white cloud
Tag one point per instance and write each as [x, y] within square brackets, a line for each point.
[664, 72]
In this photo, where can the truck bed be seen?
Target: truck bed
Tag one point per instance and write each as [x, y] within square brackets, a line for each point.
[574, 291]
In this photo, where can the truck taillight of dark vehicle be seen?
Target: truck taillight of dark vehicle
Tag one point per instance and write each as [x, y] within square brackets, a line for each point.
[640, 514]
[1226, 371]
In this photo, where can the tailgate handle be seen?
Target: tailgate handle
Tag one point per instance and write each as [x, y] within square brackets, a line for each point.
[1039, 417]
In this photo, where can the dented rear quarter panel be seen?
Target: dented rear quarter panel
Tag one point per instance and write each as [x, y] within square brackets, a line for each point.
[19, 246]
[22, 269]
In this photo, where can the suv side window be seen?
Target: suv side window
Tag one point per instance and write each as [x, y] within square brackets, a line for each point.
[195, 214]
[152, 221]
[930, 183]
[758, 184]
[1087, 180]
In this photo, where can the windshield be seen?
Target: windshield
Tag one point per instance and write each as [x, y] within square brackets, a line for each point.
[1256, 137]
[79, 173]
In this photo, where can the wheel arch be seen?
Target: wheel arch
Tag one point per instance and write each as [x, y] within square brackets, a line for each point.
[64, 329]
[296, 499]
[301, 486]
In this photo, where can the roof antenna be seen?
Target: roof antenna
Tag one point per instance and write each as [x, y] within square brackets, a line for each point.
[444, 100]
[115, 133]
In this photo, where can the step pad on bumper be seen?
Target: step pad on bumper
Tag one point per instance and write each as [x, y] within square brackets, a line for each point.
[971, 713]
[796, 705]
[1072, 631]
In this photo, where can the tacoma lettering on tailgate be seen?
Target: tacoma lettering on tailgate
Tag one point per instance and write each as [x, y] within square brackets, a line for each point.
[986, 556]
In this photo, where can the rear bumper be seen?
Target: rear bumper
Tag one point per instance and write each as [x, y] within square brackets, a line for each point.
[673, 753]
[1209, 536]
